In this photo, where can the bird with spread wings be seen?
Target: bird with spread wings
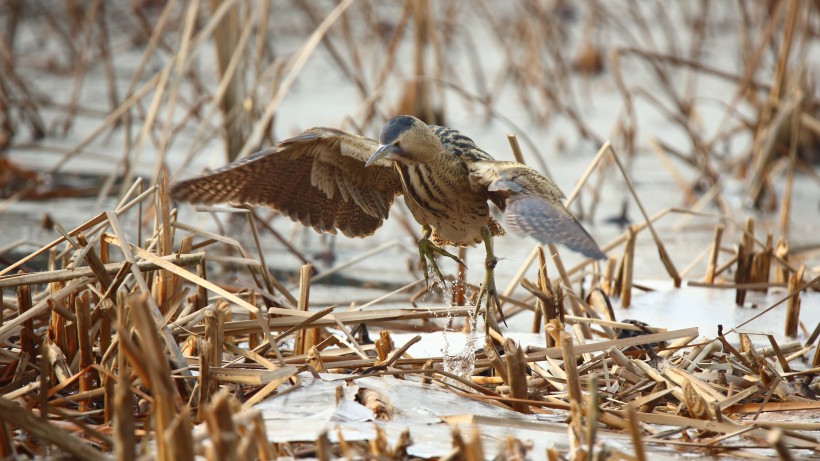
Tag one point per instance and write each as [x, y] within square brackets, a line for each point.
[332, 180]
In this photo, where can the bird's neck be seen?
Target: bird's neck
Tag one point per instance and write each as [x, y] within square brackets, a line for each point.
[424, 150]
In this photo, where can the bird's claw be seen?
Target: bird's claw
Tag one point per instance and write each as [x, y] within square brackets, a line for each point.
[427, 252]
[489, 294]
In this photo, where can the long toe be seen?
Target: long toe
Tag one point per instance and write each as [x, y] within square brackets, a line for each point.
[446, 253]
[427, 251]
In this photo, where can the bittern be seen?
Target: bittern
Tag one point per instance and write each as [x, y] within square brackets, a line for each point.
[332, 180]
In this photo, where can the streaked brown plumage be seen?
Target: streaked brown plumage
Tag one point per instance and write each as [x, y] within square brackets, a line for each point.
[317, 178]
[329, 180]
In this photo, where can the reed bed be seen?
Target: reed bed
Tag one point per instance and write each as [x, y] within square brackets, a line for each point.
[138, 335]
[126, 348]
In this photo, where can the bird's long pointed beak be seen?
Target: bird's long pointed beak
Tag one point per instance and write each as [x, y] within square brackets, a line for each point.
[384, 151]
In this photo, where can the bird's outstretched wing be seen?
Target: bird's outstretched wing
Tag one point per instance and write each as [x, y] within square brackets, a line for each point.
[317, 178]
[533, 205]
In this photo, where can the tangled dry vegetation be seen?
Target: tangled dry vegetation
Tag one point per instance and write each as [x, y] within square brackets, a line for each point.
[117, 340]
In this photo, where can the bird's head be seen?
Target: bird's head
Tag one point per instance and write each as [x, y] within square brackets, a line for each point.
[405, 139]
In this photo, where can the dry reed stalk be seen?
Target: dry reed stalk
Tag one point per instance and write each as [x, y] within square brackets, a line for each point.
[254, 340]
[178, 436]
[166, 400]
[8, 328]
[94, 262]
[517, 374]
[314, 360]
[27, 338]
[221, 428]
[459, 450]
[107, 60]
[45, 378]
[591, 413]
[714, 254]
[549, 307]
[781, 252]
[264, 449]
[761, 264]
[378, 446]
[151, 45]
[82, 311]
[474, 450]
[6, 442]
[568, 354]
[627, 264]
[55, 357]
[816, 360]
[745, 255]
[212, 337]
[205, 387]
[307, 338]
[574, 301]
[165, 283]
[781, 359]
[498, 365]
[608, 280]
[324, 451]
[793, 304]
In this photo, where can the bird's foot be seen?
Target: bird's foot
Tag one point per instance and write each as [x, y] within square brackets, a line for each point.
[427, 252]
[489, 294]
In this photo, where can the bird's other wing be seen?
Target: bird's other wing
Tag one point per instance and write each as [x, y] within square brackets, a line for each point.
[533, 205]
[317, 178]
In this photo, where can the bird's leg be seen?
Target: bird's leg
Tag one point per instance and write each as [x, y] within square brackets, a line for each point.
[427, 252]
[488, 290]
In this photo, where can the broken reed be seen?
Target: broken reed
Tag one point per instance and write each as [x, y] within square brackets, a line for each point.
[135, 361]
